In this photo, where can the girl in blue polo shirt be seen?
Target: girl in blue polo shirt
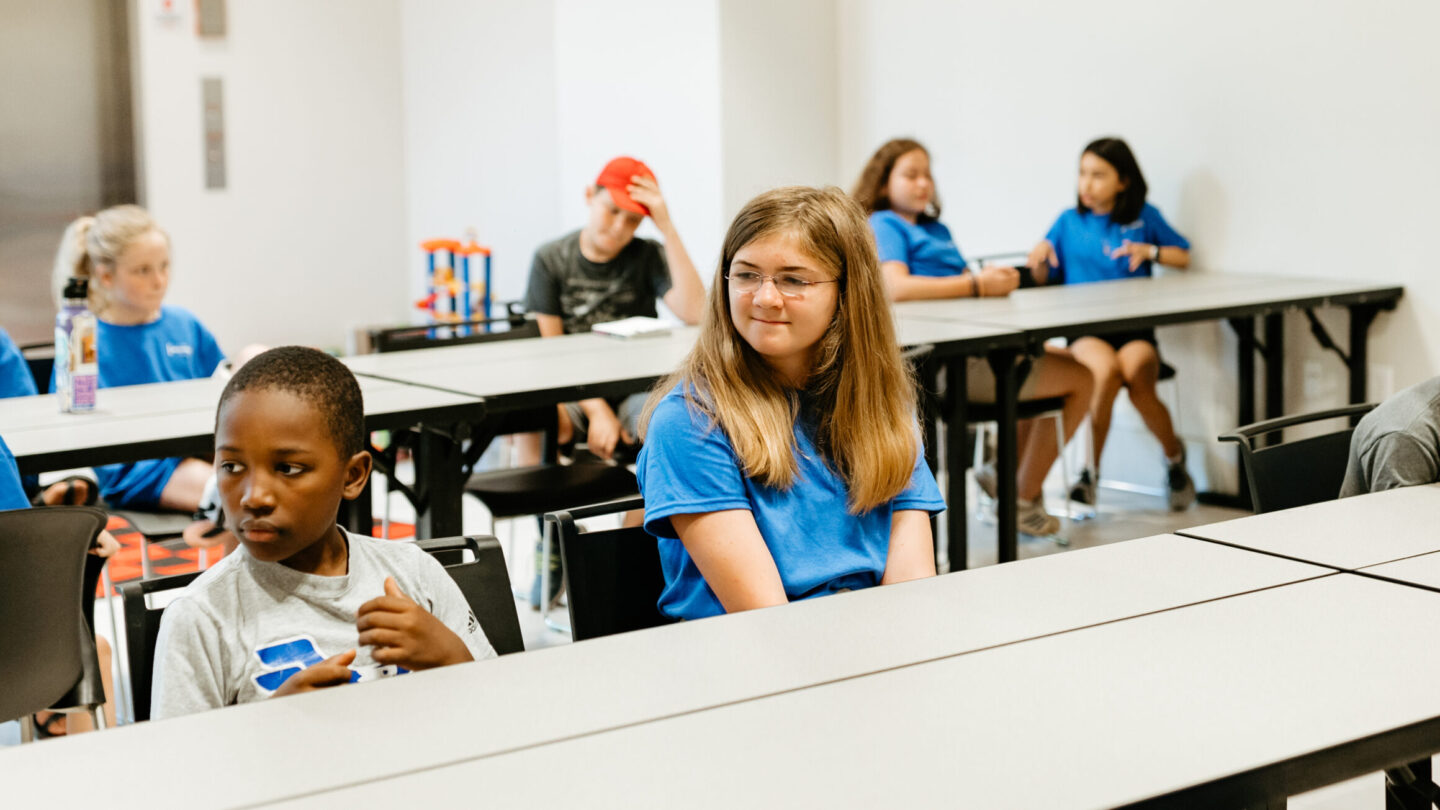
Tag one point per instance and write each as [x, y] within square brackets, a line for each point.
[126, 257]
[1112, 233]
[782, 461]
[918, 256]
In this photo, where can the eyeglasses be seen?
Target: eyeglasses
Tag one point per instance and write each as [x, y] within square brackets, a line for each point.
[790, 286]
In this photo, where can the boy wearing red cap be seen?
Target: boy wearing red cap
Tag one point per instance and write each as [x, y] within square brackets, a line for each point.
[603, 273]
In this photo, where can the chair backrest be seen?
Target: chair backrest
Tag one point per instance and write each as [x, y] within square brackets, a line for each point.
[142, 629]
[1298, 472]
[46, 645]
[485, 582]
[40, 358]
[613, 578]
[429, 337]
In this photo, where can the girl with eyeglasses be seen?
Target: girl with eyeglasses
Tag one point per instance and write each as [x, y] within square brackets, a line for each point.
[782, 460]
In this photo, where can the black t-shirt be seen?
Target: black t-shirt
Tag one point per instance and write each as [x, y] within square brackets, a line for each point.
[565, 283]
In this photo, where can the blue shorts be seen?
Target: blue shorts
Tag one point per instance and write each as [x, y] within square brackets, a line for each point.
[136, 485]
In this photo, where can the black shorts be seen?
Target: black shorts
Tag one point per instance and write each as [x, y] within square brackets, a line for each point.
[1118, 339]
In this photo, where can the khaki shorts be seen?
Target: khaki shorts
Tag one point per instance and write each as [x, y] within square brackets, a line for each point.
[980, 379]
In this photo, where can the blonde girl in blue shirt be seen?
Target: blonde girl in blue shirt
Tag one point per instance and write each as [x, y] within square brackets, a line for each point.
[1113, 233]
[782, 461]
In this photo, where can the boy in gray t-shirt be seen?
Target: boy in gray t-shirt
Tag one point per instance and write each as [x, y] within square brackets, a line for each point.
[1397, 444]
[302, 604]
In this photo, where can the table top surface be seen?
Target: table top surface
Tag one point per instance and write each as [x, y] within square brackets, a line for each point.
[1347, 534]
[621, 680]
[1117, 305]
[1422, 570]
[138, 414]
[1198, 698]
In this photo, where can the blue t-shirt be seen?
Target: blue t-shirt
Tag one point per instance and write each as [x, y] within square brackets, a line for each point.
[1083, 244]
[12, 494]
[927, 249]
[175, 346]
[687, 467]
[15, 378]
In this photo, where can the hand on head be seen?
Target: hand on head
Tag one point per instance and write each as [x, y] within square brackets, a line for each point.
[401, 632]
[646, 191]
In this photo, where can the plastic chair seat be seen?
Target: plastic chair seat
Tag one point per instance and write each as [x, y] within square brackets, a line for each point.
[544, 488]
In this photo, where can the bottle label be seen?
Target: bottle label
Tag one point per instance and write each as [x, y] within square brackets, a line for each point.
[77, 367]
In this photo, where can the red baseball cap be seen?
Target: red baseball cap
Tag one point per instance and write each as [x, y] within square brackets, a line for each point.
[616, 176]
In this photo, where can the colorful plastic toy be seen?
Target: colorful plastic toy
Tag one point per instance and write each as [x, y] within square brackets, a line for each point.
[452, 297]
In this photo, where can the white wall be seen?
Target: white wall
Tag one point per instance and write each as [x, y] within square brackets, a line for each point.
[481, 138]
[780, 97]
[309, 238]
[642, 78]
[1285, 137]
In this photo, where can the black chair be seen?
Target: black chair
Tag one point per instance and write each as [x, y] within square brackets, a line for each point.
[478, 330]
[613, 577]
[519, 491]
[483, 580]
[48, 658]
[1299, 472]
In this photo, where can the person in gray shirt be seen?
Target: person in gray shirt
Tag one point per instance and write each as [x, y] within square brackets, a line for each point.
[302, 604]
[1397, 444]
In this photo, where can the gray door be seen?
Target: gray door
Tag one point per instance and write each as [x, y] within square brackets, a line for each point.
[67, 143]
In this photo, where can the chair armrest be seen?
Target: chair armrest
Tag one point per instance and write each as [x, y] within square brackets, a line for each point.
[1247, 432]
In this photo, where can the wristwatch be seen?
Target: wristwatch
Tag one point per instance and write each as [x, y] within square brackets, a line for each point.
[1154, 253]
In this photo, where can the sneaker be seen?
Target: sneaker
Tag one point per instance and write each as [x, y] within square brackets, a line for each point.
[1084, 489]
[1032, 519]
[557, 579]
[985, 478]
[1181, 487]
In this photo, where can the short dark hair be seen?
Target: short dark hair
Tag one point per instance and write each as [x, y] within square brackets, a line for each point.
[871, 190]
[1131, 201]
[315, 377]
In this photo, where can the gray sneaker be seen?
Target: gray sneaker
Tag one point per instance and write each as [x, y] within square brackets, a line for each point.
[1032, 519]
[985, 478]
[1181, 487]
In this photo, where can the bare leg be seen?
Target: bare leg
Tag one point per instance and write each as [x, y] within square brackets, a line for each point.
[1104, 365]
[527, 446]
[79, 722]
[1056, 375]
[1140, 368]
[183, 491]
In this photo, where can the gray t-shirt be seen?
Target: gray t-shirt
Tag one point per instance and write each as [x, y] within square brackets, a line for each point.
[239, 630]
[565, 283]
[1397, 444]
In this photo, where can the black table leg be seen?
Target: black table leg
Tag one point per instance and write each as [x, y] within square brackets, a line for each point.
[957, 461]
[1244, 412]
[1361, 316]
[1274, 370]
[1007, 387]
[438, 463]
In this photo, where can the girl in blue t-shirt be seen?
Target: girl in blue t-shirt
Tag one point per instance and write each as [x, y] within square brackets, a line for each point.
[126, 257]
[782, 461]
[918, 257]
[1112, 233]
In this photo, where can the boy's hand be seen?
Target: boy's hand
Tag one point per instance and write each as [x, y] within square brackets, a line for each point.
[401, 632]
[646, 191]
[604, 433]
[333, 671]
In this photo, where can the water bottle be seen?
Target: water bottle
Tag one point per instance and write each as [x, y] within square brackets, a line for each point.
[77, 366]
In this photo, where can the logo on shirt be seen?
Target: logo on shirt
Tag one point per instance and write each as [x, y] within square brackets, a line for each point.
[179, 350]
[284, 658]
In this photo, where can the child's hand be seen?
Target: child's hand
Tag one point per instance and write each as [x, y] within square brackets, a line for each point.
[604, 433]
[998, 281]
[646, 191]
[1042, 258]
[105, 545]
[401, 632]
[1139, 253]
[333, 671]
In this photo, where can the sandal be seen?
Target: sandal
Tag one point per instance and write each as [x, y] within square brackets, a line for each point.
[91, 497]
[47, 729]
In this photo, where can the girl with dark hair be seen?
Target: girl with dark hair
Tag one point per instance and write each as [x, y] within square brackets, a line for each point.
[918, 257]
[1113, 233]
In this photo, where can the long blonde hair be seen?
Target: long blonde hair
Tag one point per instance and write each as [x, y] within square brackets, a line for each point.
[860, 394]
[97, 240]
